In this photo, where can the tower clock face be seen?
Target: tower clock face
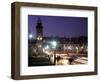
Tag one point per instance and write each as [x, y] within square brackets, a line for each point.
[39, 33]
[39, 38]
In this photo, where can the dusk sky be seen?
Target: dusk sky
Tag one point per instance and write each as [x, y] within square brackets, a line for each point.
[59, 26]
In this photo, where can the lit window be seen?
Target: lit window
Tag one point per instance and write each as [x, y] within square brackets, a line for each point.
[37, 38]
[40, 38]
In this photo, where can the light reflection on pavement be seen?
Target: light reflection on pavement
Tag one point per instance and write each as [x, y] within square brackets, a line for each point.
[79, 60]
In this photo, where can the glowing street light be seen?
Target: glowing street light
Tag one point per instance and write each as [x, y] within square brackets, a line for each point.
[47, 47]
[77, 50]
[30, 36]
[69, 47]
[81, 47]
[54, 44]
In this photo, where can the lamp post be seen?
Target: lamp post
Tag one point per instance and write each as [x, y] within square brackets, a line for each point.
[77, 50]
[54, 44]
[30, 36]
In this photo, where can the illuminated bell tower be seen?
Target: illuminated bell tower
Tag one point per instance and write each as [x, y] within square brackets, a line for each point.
[39, 34]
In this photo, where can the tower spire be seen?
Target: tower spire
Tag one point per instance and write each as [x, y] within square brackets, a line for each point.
[39, 20]
[39, 34]
[39, 29]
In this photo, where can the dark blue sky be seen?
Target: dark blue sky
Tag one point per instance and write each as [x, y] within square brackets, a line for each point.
[59, 26]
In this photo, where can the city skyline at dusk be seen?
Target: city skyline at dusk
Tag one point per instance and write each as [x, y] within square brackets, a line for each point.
[56, 40]
[59, 26]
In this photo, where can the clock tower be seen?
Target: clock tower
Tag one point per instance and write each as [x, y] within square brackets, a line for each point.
[39, 34]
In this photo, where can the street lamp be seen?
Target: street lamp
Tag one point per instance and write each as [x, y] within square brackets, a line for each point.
[77, 50]
[54, 45]
[46, 47]
[30, 36]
